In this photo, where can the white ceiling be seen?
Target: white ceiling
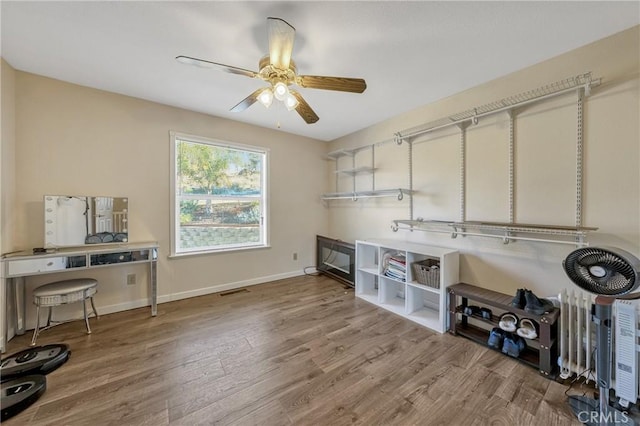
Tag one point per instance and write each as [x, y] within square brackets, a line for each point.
[410, 53]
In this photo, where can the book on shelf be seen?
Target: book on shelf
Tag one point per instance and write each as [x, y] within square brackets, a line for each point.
[395, 275]
[394, 263]
[395, 266]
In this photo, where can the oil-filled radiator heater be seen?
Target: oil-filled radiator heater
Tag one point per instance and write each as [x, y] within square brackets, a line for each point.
[578, 342]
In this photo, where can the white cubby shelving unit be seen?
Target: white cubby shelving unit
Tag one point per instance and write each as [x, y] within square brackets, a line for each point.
[423, 304]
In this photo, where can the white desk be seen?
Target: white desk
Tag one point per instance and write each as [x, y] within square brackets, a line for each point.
[17, 266]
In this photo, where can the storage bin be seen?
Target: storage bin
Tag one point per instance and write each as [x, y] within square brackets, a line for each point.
[427, 272]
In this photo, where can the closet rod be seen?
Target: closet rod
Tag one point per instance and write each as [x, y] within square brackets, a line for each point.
[505, 238]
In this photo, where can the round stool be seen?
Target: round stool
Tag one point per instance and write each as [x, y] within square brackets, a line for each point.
[62, 293]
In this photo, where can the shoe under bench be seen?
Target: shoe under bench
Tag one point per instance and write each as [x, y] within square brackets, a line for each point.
[542, 355]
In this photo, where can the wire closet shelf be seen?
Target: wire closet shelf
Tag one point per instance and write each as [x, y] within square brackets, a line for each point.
[508, 232]
[356, 194]
[582, 81]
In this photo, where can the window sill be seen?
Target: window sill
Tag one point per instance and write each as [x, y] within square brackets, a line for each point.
[214, 252]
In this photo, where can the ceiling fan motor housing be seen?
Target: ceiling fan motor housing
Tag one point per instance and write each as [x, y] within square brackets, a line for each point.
[273, 75]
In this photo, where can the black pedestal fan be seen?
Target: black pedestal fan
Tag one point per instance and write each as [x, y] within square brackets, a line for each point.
[612, 274]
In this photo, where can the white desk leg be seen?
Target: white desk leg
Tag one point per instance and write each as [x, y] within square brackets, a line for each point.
[13, 292]
[4, 317]
[20, 305]
[153, 283]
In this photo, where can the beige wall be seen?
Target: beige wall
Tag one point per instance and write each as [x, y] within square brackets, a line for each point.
[76, 140]
[7, 167]
[545, 167]
[7, 154]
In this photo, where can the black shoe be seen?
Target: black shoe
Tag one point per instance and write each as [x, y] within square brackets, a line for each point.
[519, 300]
[534, 305]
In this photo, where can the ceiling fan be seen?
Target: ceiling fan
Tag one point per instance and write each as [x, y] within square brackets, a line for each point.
[279, 70]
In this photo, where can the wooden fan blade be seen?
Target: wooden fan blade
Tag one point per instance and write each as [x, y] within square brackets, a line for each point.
[342, 84]
[222, 67]
[304, 109]
[281, 38]
[247, 102]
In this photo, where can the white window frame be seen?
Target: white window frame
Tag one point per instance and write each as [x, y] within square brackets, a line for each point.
[175, 199]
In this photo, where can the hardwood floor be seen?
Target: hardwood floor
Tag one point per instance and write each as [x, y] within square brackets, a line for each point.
[300, 351]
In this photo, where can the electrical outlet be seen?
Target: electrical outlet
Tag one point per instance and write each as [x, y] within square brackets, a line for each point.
[131, 279]
[295, 256]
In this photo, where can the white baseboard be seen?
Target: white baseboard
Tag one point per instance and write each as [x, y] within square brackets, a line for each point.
[228, 286]
[126, 306]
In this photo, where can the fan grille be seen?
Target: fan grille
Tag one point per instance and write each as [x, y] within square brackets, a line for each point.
[602, 271]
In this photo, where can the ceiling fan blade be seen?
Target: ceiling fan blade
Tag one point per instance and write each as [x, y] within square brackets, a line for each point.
[342, 84]
[281, 38]
[304, 109]
[247, 102]
[222, 67]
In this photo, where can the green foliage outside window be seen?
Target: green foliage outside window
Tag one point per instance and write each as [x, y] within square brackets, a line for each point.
[212, 170]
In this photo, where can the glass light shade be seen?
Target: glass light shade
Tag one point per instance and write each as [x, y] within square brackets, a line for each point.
[266, 97]
[291, 102]
[281, 91]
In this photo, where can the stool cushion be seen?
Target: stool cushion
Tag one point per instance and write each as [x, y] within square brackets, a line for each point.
[65, 286]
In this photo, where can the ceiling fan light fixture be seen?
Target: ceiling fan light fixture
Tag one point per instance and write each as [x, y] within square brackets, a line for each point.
[291, 102]
[281, 91]
[266, 97]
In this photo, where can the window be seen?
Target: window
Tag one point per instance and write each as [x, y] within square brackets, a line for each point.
[218, 194]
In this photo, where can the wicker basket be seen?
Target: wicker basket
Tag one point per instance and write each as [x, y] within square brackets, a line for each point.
[427, 272]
